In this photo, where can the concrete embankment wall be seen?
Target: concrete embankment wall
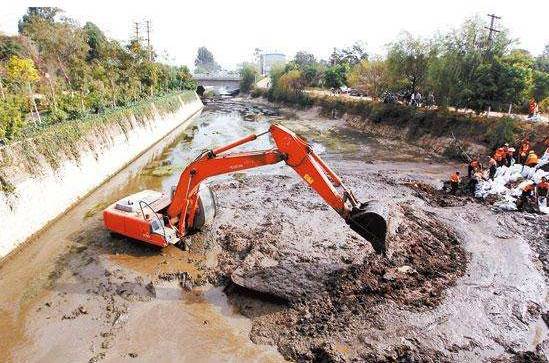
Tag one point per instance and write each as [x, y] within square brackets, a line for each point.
[41, 177]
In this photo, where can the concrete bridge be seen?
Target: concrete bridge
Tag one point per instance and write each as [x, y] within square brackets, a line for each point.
[229, 82]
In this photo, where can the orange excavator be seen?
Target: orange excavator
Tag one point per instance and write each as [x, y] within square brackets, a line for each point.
[165, 218]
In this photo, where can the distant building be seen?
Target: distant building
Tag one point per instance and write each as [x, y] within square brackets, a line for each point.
[268, 60]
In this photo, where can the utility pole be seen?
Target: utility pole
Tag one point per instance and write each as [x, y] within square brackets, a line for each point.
[488, 53]
[33, 101]
[136, 31]
[2, 90]
[149, 48]
[491, 28]
[47, 75]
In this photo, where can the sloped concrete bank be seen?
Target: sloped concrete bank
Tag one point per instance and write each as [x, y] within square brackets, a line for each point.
[41, 179]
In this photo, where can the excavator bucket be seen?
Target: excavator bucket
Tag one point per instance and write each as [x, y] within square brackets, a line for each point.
[370, 221]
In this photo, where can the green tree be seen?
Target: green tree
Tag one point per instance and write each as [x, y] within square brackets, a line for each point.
[407, 62]
[351, 55]
[9, 46]
[303, 59]
[205, 61]
[462, 61]
[541, 85]
[312, 74]
[336, 76]
[95, 39]
[370, 76]
[542, 61]
[47, 14]
[541, 75]
[248, 73]
[501, 81]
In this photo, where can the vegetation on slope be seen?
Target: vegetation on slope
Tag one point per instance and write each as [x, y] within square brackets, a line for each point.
[55, 70]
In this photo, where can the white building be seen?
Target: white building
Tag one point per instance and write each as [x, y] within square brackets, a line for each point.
[268, 60]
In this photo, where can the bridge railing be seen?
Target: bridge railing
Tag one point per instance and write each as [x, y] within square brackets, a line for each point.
[221, 77]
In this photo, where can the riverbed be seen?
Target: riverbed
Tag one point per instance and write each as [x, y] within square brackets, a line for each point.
[75, 293]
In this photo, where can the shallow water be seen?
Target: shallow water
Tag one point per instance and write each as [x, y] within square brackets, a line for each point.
[205, 325]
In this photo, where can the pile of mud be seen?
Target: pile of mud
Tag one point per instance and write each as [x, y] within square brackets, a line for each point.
[249, 111]
[436, 197]
[324, 305]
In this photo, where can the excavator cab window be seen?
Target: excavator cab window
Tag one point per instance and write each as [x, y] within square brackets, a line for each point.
[156, 227]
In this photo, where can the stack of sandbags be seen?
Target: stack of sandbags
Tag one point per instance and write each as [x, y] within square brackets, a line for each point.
[504, 184]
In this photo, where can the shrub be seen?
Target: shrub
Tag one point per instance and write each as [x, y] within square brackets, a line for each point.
[11, 117]
[72, 105]
[258, 92]
[504, 131]
[544, 105]
[57, 115]
[247, 77]
[457, 150]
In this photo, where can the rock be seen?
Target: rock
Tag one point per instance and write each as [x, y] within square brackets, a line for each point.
[389, 276]
[406, 269]
[150, 288]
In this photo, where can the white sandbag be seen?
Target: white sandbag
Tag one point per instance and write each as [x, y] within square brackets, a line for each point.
[500, 184]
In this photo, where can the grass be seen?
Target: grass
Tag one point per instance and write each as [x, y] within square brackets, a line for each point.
[70, 138]
[96, 208]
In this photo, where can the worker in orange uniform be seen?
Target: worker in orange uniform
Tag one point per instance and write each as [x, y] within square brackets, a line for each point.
[541, 191]
[525, 196]
[532, 159]
[493, 166]
[532, 107]
[473, 167]
[524, 149]
[455, 180]
[473, 182]
[500, 156]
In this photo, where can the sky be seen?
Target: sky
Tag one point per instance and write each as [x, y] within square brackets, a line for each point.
[233, 29]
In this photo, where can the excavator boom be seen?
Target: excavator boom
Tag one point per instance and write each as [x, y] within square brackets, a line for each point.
[179, 212]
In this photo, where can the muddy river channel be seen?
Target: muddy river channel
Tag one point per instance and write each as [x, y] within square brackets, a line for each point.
[278, 275]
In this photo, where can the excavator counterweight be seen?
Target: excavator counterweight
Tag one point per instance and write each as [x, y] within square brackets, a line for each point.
[162, 219]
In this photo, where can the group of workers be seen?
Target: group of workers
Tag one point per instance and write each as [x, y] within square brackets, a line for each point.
[506, 155]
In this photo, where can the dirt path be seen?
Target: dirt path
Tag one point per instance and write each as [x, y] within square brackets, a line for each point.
[463, 283]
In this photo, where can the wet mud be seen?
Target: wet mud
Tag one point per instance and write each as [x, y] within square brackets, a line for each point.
[332, 288]
[279, 275]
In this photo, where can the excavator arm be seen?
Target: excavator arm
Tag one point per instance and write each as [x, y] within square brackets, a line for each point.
[364, 218]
